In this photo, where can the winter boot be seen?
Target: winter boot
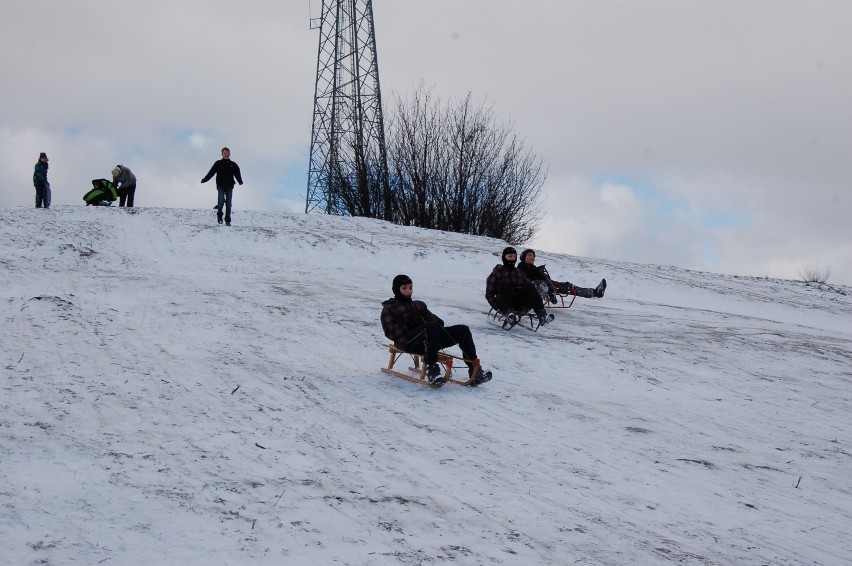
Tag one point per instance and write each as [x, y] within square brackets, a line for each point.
[510, 320]
[433, 375]
[219, 216]
[544, 317]
[482, 375]
[599, 290]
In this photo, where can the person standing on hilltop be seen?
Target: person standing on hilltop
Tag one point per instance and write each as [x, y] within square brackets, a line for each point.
[227, 172]
[125, 182]
[42, 187]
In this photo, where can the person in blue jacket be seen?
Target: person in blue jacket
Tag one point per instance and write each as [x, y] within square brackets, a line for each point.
[42, 186]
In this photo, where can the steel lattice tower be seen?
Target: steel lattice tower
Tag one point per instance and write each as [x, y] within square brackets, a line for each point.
[348, 172]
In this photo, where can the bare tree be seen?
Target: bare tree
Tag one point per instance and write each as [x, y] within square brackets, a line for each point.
[453, 167]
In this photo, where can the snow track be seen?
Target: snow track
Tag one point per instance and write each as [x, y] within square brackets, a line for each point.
[176, 392]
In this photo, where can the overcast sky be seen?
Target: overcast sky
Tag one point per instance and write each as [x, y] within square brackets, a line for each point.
[707, 134]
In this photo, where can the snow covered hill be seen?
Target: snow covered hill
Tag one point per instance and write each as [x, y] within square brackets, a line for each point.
[178, 392]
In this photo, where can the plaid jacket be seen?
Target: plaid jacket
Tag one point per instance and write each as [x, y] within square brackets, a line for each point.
[501, 282]
[400, 317]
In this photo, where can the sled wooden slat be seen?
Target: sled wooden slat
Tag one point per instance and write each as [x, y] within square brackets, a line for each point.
[417, 374]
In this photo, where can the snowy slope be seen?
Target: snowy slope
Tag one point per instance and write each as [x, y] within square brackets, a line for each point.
[177, 392]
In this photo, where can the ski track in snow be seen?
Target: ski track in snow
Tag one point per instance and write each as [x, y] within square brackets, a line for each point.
[178, 392]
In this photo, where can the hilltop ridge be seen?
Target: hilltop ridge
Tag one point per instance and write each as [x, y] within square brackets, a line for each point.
[178, 392]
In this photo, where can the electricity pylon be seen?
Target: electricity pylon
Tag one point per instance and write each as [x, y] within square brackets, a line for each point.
[348, 172]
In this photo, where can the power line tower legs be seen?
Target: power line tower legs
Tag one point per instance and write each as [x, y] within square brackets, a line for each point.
[348, 172]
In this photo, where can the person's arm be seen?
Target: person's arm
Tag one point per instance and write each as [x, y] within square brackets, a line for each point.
[432, 317]
[491, 289]
[237, 174]
[210, 173]
[391, 324]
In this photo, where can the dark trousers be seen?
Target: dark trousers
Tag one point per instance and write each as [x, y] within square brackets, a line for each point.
[125, 195]
[429, 338]
[565, 289]
[225, 196]
[42, 200]
[520, 299]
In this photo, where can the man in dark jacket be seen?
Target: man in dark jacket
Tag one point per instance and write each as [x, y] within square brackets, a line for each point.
[536, 274]
[125, 185]
[42, 187]
[413, 328]
[508, 289]
[226, 172]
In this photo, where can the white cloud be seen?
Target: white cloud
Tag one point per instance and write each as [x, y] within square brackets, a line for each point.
[739, 111]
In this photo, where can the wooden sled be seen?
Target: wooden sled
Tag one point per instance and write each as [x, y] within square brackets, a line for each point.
[417, 374]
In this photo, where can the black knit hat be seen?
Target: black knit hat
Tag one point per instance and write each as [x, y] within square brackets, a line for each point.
[399, 281]
[506, 262]
[42, 155]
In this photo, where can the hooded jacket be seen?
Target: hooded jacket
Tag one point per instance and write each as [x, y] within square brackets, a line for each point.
[502, 281]
[401, 316]
[125, 178]
[40, 175]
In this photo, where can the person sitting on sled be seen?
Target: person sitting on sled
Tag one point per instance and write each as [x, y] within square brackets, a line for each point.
[539, 275]
[508, 289]
[413, 328]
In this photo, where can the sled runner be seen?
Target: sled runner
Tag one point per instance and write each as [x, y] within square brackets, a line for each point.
[527, 319]
[417, 374]
[103, 193]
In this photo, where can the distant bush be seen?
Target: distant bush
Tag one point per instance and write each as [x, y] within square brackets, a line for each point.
[811, 274]
[453, 166]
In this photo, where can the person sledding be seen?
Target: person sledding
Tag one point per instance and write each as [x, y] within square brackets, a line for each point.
[550, 288]
[413, 328]
[511, 294]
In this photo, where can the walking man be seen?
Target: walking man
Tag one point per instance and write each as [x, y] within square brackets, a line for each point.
[226, 172]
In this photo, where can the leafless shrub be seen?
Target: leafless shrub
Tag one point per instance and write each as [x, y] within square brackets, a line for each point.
[454, 167]
[811, 274]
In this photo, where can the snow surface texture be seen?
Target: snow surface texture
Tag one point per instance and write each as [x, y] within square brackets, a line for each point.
[178, 392]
